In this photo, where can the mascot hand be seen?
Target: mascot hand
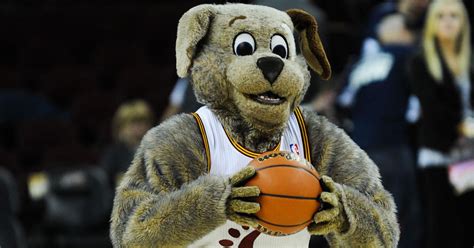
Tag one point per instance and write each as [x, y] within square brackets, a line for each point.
[331, 218]
[239, 210]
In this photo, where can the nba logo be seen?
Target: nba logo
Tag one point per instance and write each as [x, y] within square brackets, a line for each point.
[294, 148]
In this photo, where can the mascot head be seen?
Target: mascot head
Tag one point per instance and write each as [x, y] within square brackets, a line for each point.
[248, 60]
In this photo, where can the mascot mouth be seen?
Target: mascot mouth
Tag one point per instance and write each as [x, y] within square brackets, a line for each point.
[267, 98]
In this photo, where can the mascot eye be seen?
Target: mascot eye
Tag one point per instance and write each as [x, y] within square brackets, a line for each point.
[279, 46]
[244, 44]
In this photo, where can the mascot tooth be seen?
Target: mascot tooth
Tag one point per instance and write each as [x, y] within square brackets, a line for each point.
[183, 188]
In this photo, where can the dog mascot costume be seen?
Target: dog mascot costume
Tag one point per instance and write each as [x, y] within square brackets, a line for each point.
[249, 65]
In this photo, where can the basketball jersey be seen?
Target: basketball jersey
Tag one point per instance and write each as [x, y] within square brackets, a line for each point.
[226, 157]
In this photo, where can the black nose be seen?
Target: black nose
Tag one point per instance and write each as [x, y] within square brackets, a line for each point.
[270, 67]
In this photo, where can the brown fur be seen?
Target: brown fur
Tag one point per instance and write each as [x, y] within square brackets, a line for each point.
[167, 199]
[310, 42]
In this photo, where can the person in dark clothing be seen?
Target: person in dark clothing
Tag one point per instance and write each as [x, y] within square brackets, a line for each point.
[442, 79]
[377, 97]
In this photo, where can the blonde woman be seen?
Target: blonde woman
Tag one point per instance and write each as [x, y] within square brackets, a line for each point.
[443, 82]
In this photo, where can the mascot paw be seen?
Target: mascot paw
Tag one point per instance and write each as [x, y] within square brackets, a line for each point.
[243, 175]
[331, 218]
[239, 206]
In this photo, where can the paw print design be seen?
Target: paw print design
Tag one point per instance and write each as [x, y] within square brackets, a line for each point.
[247, 241]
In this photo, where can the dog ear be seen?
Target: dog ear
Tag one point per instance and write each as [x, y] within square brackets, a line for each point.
[192, 27]
[310, 43]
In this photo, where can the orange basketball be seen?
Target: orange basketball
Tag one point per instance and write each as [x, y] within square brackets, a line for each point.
[289, 187]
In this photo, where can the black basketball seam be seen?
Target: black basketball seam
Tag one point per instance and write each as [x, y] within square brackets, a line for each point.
[290, 166]
[289, 196]
[308, 221]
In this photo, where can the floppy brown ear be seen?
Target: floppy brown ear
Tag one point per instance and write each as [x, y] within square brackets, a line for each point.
[192, 27]
[310, 43]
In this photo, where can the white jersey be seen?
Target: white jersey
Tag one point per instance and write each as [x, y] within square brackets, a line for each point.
[226, 157]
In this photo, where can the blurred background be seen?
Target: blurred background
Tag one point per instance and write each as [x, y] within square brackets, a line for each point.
[81, 82]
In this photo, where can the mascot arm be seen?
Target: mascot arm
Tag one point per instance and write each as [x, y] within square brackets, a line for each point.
[166, 198]
[368, 213]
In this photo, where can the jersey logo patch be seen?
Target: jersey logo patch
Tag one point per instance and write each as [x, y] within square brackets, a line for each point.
[295, 149]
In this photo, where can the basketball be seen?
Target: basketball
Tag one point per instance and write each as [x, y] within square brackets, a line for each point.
[289, 188]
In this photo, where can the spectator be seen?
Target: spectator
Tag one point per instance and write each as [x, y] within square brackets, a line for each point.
[411, 12]
[442, 81]
[131, 121]
[377, 96]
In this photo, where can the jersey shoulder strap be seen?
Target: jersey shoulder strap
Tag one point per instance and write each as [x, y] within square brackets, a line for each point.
[204, 139]
[304, 133]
